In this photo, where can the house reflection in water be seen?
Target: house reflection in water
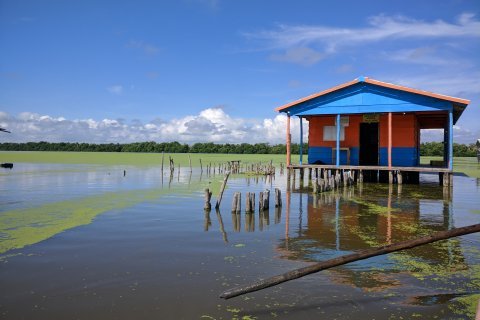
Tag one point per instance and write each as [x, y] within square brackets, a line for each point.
[361, 217]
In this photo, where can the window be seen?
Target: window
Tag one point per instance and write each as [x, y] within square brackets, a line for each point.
[330, 133]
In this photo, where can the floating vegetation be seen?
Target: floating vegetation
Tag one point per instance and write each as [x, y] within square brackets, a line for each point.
[22, 227]
[374, 208]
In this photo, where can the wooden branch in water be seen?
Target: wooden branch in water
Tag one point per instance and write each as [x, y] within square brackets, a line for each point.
[360, 255]
[220, 195]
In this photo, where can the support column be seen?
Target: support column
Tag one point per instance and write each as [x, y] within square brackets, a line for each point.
[301, 140]
[289, 140]
[450, 140]
[389, 139]
[338, 141]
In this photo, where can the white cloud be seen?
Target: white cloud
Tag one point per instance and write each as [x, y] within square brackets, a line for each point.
[460, 135]
[300, 55]
[380, 28]
[460, 84]
[115, 89]
[210, 125]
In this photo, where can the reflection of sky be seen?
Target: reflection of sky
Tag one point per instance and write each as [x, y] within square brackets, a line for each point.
[29, 185]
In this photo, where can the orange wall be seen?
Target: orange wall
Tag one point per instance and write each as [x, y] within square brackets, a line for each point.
[404, 131]
[315, 134]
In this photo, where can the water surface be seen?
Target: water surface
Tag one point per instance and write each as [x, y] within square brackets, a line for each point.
[85, 241]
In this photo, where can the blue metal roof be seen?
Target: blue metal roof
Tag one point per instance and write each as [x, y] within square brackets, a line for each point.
[361, 96]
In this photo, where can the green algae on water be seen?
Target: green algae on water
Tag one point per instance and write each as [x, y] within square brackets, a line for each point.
[22, 227]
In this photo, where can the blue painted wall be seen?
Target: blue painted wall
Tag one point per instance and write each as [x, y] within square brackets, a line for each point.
[324, 154]
[354, 156]
[401, 157]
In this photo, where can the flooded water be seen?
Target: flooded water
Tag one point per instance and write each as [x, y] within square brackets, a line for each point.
[87, 242]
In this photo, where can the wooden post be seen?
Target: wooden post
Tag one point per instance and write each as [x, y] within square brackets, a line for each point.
[201, 166]
[390, 176]
[260, 201]
[450, 139]
[222, 188]
[399, 177]
[289, 173]
[208, 196]
[294, 176]
[252, 202]
[236, 202]
[289, 141]
[338, 141]
[360, 255]
[302, 175]
[278, 198]
[190, 162]
[301, 140]
[163, 156]
[248, 208]
[390, 140]
[266, 200]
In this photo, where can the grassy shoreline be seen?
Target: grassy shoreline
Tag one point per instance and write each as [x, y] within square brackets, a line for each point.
[466, 165]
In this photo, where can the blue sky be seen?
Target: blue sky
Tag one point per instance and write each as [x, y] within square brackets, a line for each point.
[199, 70]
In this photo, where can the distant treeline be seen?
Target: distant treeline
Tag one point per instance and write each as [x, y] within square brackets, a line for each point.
[171, 147]
[459, 150]
[426, 149]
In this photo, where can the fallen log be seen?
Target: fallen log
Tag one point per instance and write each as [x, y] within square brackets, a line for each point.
[360, 255]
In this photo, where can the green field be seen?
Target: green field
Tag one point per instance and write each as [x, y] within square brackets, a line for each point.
[466, 165]
[126, 158]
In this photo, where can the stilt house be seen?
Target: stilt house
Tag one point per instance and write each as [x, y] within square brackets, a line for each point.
[366, 122]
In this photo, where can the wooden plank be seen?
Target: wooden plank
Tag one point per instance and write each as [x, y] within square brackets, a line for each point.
[380, 168]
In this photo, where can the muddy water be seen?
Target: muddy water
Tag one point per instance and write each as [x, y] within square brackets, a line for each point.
[87, 242]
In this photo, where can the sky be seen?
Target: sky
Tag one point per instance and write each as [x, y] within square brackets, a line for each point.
[215, 70]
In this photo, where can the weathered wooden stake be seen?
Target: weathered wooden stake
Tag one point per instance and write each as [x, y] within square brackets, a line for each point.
[222, 188]
[190, 162]
[239, 203]
[248, 208]
[208, 196]
[266, 200]
[163, 156]
[252, 202]
[360, 255]
[278, 198]
[201, 166]
[236, 202]
[260, 201]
